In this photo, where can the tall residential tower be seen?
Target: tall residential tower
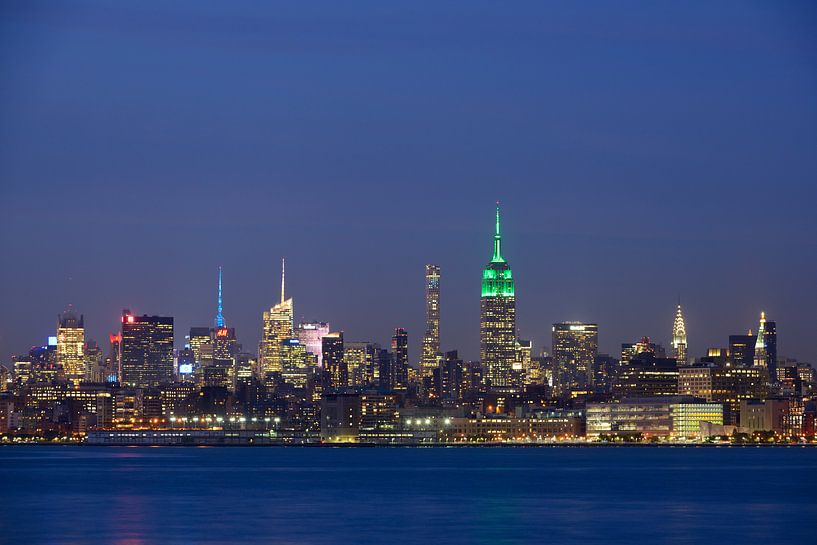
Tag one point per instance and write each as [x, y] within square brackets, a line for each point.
[431, 340]
[498, 317]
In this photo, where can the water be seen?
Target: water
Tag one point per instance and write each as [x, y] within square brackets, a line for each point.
[133, 496]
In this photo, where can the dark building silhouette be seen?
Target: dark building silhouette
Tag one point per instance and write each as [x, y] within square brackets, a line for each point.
[147, 350]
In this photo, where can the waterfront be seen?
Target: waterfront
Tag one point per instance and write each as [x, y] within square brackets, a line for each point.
[443, 495]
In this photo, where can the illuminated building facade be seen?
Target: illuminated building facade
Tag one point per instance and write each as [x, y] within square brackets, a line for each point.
[766, 347]
[200, 341]
[399, 364]
[334, 364]
[358, 357]
[575, 346]
[431, 340]
[310, 334]
[147, 350]
[114, 358]
[70, 346]
[94, 362]
[646, 376]
[278, 327]
[725, 385]
[293, 363]
[498, 317]
[630, 350]
[522, 364]
[679, 337]
[687, 417]
[225, 346]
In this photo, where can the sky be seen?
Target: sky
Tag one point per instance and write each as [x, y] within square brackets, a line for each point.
[641, 152]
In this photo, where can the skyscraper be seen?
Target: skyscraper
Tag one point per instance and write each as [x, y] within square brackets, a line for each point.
[310, 335]
[742, 349]
[766, 347]
[498, 317]
[575, 346]
[679, 337]
[399, 369]
[147, 350]
[278, 327]
[431, 340]
[70, 343]
[334, 364]
[293, 363]
[200, 343]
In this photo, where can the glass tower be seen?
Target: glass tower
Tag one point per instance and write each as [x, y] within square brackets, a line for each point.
[498, 317]
[278, 327]
[575, 346]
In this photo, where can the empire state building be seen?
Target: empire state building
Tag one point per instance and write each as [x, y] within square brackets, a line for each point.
[497, 328]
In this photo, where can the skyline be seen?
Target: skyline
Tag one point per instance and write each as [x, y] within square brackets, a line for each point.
[640, 154]
[180, 330]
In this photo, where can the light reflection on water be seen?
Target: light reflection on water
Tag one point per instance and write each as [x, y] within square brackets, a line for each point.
[133, 496]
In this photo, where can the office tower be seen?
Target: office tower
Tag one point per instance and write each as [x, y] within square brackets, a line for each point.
[310, 335]
[575, 347]
[94, 362]
[679, 337]
[766, 347]
[605, 370]
[225, 346]
[522, 363]
[245, 369]
[727, 385]
[147, 350]
[431, 340]
[199, 341]
[278, 327]
[358, 357]
[293, 363]
[114, 357]
[70, 344]
[223, 338]
[399, 349]
[646, 375]
[185, 364]
[742, 349]
[334, 365]
[498, 317]
[448, 377]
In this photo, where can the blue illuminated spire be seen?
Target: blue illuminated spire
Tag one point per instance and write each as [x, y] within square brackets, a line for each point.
[219, 315]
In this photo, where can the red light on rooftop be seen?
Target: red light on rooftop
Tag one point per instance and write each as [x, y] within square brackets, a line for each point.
[130, 319]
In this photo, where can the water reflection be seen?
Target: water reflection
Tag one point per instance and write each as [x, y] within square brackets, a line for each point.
[441, 496]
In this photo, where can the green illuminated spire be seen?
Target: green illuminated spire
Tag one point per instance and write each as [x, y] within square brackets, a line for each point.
[497, 278]
[497, 241]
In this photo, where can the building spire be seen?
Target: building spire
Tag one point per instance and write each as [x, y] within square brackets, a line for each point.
[761, 354]
[679, 335]
[283, 270]
[497, 239]
[219, 314]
